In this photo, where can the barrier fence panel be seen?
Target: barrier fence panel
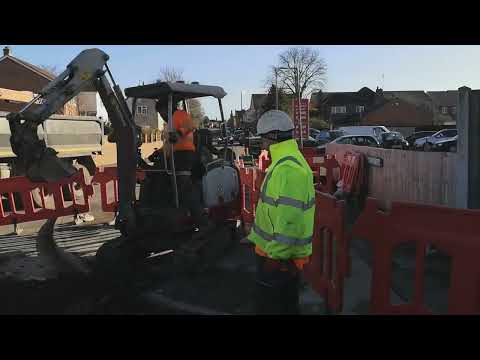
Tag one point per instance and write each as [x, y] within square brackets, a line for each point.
[17, 195]
[328, 265]
[455, 232]
[331, 165]
[109, 175]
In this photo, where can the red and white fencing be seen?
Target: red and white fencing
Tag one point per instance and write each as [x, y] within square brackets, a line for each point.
[18, 194]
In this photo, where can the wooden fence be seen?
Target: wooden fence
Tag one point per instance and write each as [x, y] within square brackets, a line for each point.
[417, 176]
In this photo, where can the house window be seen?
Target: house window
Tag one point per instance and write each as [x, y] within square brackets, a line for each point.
[360, 109]
[339, 110]
[454, 109]
[444, 110]
[142, 110]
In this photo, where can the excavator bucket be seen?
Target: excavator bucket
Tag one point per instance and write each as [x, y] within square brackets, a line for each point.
[49, 168]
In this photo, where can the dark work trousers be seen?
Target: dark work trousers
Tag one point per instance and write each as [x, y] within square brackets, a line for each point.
[276, 291]
[189, 195]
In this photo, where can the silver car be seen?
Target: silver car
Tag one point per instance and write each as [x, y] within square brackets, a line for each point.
[426, 143]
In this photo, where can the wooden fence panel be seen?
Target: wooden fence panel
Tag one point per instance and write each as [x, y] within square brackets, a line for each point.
[417, 176]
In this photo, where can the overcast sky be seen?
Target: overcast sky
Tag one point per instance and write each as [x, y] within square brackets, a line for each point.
[244, 68]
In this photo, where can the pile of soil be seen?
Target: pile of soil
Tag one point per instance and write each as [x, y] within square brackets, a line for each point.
[40, 297]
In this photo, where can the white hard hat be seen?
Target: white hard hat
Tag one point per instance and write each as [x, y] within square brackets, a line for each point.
[274, 120]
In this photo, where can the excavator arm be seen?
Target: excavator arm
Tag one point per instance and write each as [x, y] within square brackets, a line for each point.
[87, 72]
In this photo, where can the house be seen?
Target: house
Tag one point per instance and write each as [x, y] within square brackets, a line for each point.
[403, 111]
[342, 108]
[90, 104]
[146, 115]
[444, 106]
[256, 109]
[240, 118]
[21, 76]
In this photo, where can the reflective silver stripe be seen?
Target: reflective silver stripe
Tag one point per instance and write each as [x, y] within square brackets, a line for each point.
[287, 240]
[185, 173]
[284, 200]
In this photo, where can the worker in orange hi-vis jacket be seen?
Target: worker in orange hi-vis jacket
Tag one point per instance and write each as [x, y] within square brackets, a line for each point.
[184, 151]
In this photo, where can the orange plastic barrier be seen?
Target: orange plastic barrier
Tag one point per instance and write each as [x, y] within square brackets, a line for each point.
[103, 177]
[330, 183]
[15, 209]
[328, 264]
[314, 160]
[453, 231]
[353, 172]
[249, 193]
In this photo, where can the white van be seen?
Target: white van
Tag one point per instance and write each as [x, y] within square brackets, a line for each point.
[375, 131]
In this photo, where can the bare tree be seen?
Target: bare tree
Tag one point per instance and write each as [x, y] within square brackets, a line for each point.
[172, 74]
[304, 71]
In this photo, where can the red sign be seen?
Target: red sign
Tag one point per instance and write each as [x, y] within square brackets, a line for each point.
[304, 116]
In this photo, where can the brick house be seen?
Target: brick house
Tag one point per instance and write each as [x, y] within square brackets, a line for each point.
[253, 113]
[403, 111]
[21, 76]
[90, 104]
[342, 108]
[444, 106]
[146, 115]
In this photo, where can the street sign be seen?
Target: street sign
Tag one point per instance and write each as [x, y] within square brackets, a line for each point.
[303, 113]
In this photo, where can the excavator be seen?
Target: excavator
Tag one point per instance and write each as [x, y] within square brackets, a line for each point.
[156, 221]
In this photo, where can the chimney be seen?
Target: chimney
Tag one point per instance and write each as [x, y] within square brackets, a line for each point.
[6, 51]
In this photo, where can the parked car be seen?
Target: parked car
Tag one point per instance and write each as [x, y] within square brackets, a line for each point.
[359, 140]
[427, 143]
[375, 131]
[394, 140]
[216, 134]
[327, 136]
[418, 135]
[446, 145]
[238, 134]
[314, 132]
[310, 142]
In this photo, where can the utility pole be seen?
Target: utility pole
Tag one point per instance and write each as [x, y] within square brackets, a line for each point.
[276, 83]
[297, 78]
[276, 89]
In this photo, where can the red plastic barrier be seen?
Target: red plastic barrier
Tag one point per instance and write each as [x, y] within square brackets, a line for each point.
[103, 177]
[24, 188]
[453, 231]
[314, 160]
[330, 184]
[328, 264]
[353, 172]
[248, 192]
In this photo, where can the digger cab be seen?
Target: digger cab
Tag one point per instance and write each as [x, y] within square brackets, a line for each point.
[219, 184]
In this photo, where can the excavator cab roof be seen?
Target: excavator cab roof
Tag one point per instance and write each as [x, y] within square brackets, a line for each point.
[179, 90]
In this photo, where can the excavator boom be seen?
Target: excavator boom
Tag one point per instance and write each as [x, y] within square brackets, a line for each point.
[85, 73]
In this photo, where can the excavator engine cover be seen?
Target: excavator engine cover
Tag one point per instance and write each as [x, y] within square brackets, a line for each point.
[220, 184]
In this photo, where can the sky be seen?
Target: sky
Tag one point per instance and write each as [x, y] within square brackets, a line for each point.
[241, 70]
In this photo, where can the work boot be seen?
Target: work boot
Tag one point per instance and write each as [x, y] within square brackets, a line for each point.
[87, 217]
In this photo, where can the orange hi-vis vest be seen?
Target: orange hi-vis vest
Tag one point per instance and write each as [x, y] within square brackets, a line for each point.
[183, 123]
[299, 262]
